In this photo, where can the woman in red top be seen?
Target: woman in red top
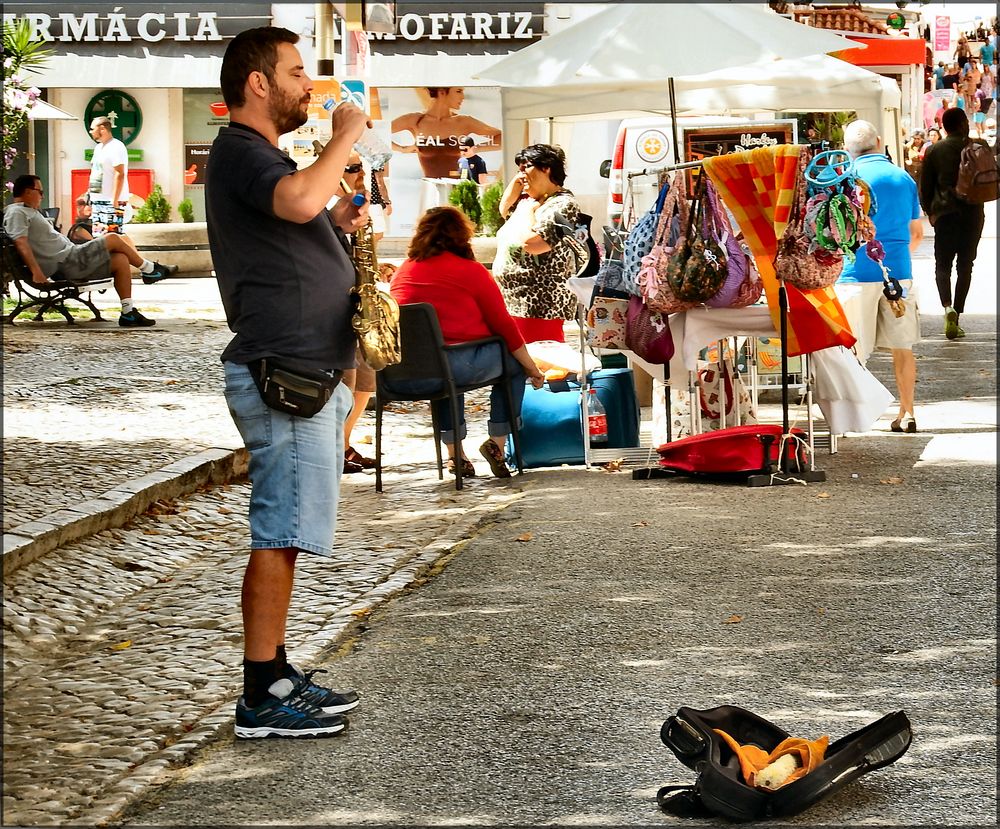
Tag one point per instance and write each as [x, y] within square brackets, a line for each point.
[442, 270]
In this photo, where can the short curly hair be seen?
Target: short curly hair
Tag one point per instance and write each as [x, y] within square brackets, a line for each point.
[546, 157]
[442, 230]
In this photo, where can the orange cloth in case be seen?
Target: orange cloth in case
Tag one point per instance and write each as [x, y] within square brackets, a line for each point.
[753, 759]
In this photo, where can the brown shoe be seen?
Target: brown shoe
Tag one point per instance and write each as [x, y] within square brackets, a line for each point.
[352, 455]
[350, 468]
[468, 470]
[494, 456]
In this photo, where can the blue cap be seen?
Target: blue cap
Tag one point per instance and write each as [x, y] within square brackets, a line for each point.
[329, 104]
[358, 199]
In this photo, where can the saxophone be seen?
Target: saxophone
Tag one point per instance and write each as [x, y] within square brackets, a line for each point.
[376, 314]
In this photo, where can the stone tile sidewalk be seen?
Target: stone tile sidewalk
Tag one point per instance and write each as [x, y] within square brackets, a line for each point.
[121, 648]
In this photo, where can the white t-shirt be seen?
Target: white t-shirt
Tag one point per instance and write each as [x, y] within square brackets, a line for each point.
[102, 170]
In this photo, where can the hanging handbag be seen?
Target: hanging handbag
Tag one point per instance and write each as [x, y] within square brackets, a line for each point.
[652, 276]
[697, 270]
[743, 285]
[640, 240]
[721, 389]
[606, 320]
[794, 263]
[647, 333]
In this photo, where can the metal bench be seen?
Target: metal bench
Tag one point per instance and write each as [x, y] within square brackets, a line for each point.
[51, 296]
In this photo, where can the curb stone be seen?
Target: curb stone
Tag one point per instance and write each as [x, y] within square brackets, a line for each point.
[28, 542]
[156, 770]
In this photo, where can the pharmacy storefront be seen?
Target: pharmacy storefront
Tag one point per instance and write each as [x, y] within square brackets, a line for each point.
[154, 69]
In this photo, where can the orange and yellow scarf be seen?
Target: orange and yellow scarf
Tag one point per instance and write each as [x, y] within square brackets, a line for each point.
[758, 187]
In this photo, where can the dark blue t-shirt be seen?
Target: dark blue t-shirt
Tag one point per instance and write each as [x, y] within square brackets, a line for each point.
[471, 167]
[897, 204]
[285, 286]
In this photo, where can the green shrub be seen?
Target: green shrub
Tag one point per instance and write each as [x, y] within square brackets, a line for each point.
[465, 196]
[186, 209]
[155, 210]
[490, 204]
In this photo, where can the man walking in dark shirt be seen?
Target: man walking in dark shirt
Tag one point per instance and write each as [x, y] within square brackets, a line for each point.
[285, 277]
[958, 224]
[470, 164]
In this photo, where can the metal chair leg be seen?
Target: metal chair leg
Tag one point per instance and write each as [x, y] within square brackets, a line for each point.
[458, 441]
[437, 440]
[378, 444]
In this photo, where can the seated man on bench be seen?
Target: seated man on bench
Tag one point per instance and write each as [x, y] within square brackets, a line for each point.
[46, 251]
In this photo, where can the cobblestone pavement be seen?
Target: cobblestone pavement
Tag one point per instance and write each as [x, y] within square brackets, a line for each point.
[121, 650]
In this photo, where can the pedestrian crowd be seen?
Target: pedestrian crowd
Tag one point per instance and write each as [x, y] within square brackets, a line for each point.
[971, 79]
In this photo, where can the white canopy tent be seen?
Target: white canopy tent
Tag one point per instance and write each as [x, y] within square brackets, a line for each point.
[812, 84]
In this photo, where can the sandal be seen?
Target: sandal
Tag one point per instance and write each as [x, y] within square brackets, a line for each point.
[468, 470]
[352, 455]
[494, 456]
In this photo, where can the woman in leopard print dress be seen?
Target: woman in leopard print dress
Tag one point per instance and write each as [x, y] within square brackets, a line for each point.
[533, 258]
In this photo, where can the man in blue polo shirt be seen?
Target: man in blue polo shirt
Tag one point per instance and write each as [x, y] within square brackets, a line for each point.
[898, 227]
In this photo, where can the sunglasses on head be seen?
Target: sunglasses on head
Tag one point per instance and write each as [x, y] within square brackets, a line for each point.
[353, 168]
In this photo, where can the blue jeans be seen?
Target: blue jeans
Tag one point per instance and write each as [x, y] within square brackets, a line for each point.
[474, 365]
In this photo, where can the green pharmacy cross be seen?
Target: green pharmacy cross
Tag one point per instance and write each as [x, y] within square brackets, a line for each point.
[121, 109]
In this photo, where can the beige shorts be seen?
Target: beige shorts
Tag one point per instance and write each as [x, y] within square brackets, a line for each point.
[361, 378]
[872, 320]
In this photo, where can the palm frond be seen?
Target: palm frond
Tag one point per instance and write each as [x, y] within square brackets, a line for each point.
[28, 54]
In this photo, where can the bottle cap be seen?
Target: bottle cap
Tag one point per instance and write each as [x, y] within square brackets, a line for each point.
[329, 104]
[358, 199]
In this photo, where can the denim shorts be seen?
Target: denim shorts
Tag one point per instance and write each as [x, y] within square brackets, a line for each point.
[295, 466]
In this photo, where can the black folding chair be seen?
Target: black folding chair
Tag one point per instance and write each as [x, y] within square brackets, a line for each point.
[425, 357]
[52, 213]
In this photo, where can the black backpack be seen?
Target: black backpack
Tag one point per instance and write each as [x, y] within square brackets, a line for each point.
[978, 174]
[719, 788]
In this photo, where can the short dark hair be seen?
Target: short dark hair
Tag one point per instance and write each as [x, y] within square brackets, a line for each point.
[442, 230]
[24, 182]
[955, 121]
[546, 157]
[254, 50]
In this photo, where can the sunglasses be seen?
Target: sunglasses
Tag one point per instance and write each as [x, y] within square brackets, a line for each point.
[353, 168]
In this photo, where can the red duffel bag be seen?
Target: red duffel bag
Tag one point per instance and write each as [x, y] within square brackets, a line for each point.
[737, 450]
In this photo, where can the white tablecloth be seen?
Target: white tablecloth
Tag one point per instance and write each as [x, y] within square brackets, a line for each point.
[849, 395]
[693, 330]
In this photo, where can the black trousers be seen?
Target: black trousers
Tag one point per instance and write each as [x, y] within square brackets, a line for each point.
[956, 235]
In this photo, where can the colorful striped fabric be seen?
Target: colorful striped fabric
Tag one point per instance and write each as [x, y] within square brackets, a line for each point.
[758, 186]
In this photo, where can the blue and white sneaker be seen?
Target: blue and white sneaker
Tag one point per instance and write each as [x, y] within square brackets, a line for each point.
[285, 713]
[329, 702]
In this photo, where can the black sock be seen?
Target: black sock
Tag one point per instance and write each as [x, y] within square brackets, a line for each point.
[257, 678]
[282, 661]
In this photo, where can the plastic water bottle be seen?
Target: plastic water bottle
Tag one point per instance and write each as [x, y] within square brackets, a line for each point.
[370, 145]
[597, 421]
[373, 149]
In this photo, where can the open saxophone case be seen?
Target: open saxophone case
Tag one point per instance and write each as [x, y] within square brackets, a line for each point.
[769, 454]
[751, 769]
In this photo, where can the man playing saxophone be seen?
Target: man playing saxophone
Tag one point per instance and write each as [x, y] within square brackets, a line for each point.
[285, 279]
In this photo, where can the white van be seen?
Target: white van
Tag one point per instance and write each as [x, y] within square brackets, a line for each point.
[647, 144]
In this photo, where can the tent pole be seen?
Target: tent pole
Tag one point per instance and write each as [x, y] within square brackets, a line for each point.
[673, 119]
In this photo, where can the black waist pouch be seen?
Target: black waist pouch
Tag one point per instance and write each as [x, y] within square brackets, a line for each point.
[289, 387]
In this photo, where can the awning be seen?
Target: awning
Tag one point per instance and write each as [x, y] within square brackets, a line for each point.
[44, 111]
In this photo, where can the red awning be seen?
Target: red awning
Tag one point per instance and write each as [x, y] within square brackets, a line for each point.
[886, 51]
